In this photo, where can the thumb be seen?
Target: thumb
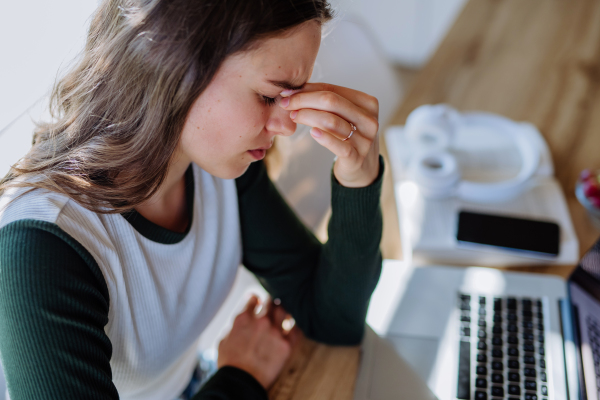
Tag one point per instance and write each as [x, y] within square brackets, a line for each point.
[251, 304]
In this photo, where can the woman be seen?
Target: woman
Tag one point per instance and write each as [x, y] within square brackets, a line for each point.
[122, 229]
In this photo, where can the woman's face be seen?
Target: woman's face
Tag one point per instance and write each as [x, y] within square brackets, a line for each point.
[236, 118]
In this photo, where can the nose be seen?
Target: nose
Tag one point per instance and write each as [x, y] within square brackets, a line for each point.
[280, 122]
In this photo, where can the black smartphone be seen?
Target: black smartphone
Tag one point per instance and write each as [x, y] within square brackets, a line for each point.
[518, 234]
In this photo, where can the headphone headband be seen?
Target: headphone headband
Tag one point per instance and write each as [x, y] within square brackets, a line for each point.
[431, 129]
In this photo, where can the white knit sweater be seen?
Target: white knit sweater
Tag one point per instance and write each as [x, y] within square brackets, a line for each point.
[162, 296]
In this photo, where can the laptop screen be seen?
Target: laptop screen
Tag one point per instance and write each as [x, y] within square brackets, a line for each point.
[584, 296]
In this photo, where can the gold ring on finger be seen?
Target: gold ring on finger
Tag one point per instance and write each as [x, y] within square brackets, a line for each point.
[351, 132]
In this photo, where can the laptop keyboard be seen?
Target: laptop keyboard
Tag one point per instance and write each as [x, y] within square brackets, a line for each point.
[501, 349]
[594, 337]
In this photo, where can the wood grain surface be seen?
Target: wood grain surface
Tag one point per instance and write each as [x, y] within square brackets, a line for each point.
[536, 61]
[317, 371]
[533, 60]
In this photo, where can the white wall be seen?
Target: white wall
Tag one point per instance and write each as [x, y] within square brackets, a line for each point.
[36, 39]
[408, 31]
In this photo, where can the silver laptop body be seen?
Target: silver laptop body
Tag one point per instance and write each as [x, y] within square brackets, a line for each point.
[424, 327]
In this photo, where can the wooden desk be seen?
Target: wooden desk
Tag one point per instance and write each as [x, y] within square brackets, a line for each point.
[534, 60]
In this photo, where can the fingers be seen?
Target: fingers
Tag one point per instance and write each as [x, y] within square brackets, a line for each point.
[334, 125]
[278, 316]
[323, 120]
[251, 305]
[255, 345]
[294, 335]
[336, 146]
[360, 99]
[334, 103]
[329, 110]
[282, 322]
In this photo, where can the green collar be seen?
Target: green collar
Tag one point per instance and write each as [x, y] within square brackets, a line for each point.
[156, 233]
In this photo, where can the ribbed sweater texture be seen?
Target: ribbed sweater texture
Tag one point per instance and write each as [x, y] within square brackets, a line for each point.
[54, 299]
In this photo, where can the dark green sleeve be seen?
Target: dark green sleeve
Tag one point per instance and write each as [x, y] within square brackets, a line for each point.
[326, 287]
[230, 383]
[53, 308]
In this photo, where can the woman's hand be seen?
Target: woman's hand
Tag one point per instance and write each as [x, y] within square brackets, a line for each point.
[331, 110]
[257, 344]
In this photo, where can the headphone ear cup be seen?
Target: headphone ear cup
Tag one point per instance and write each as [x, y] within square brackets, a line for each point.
[436, 173]
[432, 126]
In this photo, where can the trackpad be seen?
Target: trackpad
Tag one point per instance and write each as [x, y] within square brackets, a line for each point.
[419, 352]
[392, 377]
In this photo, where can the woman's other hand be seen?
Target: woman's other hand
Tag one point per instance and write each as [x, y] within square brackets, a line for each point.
[257, 344]
[330, 110]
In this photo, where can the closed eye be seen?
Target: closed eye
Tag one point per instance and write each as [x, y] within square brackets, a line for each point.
[269, 101]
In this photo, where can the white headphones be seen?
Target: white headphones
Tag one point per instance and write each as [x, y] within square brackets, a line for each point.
[431, 129]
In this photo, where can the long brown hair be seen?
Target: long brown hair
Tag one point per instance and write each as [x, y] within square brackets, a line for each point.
[118, 113]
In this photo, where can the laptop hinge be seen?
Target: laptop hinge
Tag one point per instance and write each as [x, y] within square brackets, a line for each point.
[569, 350]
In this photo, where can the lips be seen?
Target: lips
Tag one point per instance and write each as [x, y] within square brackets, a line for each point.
[258, 154]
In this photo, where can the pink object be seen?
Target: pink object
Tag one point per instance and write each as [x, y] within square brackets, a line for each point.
[591, 189]
[587, 192]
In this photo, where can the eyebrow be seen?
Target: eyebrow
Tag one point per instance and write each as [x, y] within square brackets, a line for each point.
[287, 85]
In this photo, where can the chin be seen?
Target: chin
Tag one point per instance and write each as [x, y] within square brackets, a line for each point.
[229, 172]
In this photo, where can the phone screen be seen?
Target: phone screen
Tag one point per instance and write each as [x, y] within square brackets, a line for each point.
[509, 233]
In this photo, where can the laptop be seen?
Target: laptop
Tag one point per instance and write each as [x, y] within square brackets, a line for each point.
[483, 334]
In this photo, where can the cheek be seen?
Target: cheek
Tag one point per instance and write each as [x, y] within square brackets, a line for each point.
[243, 123]
[216, 127]
[236, 126]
